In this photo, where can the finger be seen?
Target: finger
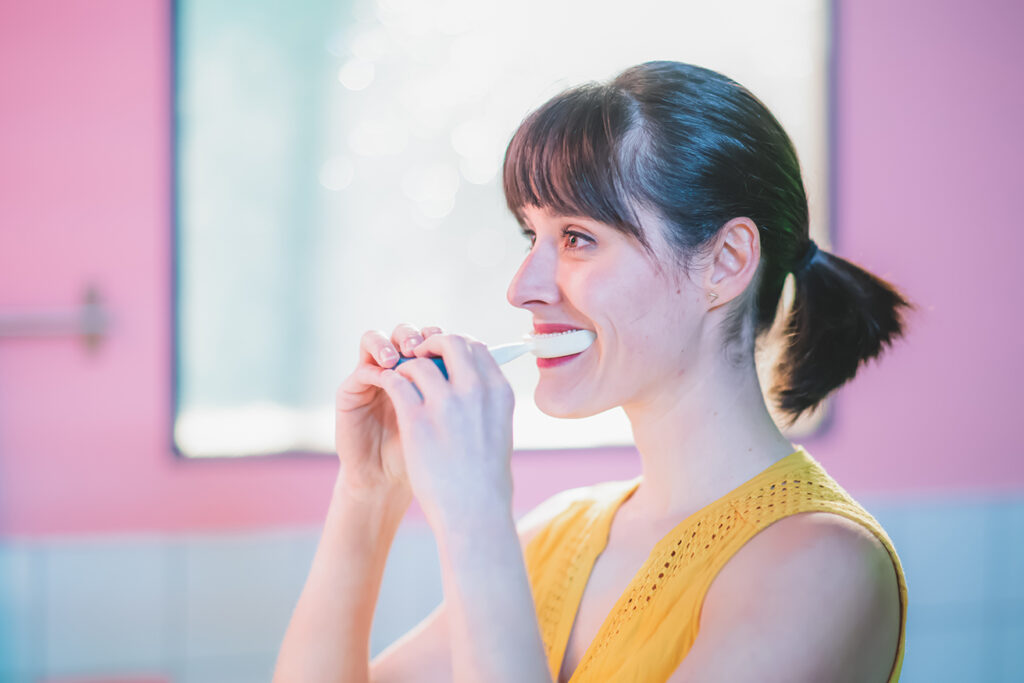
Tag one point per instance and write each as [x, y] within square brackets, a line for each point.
[427, 377]
[352, 392]
[363, 377]
[499, 391]
[431, 330]
[406, 337]
[374, 346]
[463, 372]
[404, 397]
[488, 367]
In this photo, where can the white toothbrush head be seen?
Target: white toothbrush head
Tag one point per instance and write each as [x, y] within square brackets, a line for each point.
[560, 343]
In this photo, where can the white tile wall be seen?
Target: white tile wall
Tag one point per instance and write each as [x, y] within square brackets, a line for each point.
[104, 595]
[411, 587]
[239, 592]
[213, 607]
[247, 669]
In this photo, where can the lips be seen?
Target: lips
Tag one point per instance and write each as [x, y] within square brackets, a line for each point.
[553, 362]
[553, 328]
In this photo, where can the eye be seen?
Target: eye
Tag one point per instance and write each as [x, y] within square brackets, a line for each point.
[531, 236]
[575, 240]
[572, 240]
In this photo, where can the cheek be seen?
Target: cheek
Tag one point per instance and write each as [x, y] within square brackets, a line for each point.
[657, 319]
[639, 314]
[634, 316]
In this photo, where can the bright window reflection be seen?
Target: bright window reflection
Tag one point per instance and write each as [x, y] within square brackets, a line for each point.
[338, 171]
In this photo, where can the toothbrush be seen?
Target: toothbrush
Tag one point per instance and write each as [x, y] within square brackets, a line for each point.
[542, 345]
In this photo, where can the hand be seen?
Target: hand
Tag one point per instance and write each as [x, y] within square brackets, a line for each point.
[457, 438]
[365, 428]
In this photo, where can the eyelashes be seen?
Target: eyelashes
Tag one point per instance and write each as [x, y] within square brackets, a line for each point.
[572, 239]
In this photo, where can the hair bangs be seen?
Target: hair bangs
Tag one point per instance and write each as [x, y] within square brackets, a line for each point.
[565, 157]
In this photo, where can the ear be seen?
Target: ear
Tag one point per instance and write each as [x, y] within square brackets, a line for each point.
[734, 261]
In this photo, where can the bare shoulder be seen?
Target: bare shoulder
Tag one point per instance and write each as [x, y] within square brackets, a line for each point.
[533, 521]
[815, 541]
[814, 596]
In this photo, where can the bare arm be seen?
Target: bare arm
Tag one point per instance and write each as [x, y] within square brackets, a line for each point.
[492, 620]
[457, 441]
[328, 638]
[424, 653]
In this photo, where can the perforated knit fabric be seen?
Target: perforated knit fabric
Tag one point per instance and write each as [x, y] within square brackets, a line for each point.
[655, 622]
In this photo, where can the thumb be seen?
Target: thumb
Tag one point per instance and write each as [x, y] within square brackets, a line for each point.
[404, 396]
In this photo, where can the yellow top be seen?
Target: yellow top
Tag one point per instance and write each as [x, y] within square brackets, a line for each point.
[655, 621]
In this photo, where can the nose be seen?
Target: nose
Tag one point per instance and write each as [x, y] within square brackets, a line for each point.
[536, 281]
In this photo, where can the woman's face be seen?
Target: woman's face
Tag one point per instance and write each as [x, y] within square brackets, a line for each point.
[583, 274]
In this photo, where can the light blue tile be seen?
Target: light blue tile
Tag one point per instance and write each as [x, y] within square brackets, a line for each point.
[104, 606]
[1008, 656]
[411, 587]
[1009, 550]
[252, 668]
[893, 518]
[239, 593]
[1010, 664]
[9, 677]
[12, 677]
[948, 644]
[21, 625]
[947, 552]
[304, 544]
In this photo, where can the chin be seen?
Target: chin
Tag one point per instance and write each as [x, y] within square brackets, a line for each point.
[566, 406]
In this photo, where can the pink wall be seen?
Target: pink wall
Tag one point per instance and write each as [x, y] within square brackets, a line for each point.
[929, 146]
[928, 102]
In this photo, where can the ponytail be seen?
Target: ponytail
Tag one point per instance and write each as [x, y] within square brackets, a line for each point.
[842, 316]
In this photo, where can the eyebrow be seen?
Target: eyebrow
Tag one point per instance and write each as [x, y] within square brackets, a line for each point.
[561, 216]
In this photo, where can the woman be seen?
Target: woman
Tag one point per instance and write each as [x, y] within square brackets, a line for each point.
[664, 211]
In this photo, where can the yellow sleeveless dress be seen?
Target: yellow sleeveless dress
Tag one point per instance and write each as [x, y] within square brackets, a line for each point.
[655, 622]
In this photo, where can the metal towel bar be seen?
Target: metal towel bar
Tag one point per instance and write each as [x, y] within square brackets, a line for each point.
[91, 322]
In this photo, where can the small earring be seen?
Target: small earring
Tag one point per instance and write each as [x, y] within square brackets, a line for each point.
[712, 296]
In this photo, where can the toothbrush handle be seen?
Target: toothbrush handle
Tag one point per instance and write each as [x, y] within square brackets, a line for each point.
[502, 354]
[506, 352]
[439, 362]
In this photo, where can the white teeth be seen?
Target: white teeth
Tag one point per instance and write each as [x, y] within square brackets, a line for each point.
[557, 344]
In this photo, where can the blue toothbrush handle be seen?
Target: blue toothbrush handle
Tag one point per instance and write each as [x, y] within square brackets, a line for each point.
[439, 362]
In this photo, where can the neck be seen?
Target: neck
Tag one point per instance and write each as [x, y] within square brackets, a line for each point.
[700, 439]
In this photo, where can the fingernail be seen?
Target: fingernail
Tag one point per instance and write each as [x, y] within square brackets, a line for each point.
[411, 343]
[387, 354]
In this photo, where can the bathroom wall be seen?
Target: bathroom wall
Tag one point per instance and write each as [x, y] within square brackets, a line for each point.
[117, 558]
